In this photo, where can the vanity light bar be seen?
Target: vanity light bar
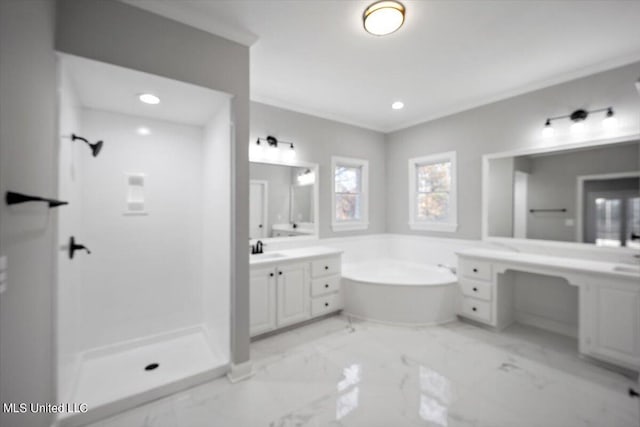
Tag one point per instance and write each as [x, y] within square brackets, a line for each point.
[272, 141]
[578, 117]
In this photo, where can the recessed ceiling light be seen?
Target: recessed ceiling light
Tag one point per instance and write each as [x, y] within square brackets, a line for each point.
[149, 98]
[383, 17]
[398, 105]
[143, 131]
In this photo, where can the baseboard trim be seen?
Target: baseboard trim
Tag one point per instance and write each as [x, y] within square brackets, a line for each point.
[240, 372]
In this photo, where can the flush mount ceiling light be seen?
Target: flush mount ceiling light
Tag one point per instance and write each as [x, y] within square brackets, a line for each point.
[149, 98]
[579, 118]
[383, 17]
[398, 105]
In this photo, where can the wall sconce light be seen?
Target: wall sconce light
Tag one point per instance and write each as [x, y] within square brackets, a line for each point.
[269, 148]
[579, 118]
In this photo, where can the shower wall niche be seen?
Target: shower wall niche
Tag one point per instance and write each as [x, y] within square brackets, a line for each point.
[148, 311]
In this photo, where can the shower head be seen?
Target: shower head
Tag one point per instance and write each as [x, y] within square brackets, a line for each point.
[95, 147]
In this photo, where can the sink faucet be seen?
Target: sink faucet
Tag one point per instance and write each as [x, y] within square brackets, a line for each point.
[257, 248]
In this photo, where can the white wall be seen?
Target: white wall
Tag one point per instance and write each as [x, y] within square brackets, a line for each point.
[70, 223]
[142, 42]
[28, 162]
[506, 125]
[145, 272]
[316, 140]
[216, 234]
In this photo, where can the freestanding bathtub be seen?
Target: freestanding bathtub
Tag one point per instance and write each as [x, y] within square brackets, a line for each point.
[399, 292]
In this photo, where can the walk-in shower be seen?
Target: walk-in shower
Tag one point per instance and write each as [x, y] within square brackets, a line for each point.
[144, 309]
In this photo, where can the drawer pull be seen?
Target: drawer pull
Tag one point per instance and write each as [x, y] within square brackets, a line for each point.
[474, 309]
[326, 285]
[270, 274]
[475, 270]
[326, 304]
[280, 273]
[475, 289]
[326, 267]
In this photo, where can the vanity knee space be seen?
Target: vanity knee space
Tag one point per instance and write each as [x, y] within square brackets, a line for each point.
[605, 302]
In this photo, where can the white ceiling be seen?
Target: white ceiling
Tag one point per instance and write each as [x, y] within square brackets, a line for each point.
[313, 56]
[108, 87]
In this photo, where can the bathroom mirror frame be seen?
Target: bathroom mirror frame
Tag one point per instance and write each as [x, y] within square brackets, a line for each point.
[316, 201]
[547, 149]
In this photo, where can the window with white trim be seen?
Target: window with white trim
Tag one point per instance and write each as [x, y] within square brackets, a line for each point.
[350, 194]
[432, 192]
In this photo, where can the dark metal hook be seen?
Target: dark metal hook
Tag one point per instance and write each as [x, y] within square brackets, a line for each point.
[12, 198]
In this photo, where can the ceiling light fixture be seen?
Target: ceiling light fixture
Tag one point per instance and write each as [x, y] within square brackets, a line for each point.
[579, 118]
[149, 98]
[383, 17]
[398, 105]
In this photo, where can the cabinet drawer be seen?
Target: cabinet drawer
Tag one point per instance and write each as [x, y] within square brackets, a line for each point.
[325, 267]
[479, 270]
[477, 309]
[325, 285]
[482, 290]
[326, 304]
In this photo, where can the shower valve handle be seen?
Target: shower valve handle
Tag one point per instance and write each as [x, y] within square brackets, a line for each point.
[73, 246]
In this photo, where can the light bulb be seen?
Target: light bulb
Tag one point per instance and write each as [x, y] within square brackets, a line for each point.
[271, 152]
[578, 127]
[143, 131]
[548, 131]
[398, 105]
[289, 154]
[255, 151]
[610, 121]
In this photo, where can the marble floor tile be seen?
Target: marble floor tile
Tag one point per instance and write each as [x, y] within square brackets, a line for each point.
[339, 372]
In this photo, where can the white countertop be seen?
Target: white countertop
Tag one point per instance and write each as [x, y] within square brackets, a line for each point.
[554, 262]
[274, 257]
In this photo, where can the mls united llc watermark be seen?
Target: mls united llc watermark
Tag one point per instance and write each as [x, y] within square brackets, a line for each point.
[49, 408]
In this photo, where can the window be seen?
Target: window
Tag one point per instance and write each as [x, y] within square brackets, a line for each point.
[432, 192]
[349, 203]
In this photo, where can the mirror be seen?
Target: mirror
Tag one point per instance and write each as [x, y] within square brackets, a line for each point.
[586, 194]
[283, 200]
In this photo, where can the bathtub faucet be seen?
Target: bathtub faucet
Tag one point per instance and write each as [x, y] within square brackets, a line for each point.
[450, 268]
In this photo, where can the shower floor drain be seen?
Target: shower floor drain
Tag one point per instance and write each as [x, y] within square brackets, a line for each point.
[151, 366]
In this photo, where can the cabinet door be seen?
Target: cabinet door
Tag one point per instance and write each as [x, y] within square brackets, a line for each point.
[262, 289]
[612, 311]
[293, 293]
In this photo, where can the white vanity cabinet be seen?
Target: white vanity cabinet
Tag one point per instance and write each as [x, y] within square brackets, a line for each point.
[609, 300]
[610, 321]
[293, 289]
[262, 291]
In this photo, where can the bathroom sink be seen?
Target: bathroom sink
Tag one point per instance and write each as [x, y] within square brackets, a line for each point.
[267, 255]
[627, 268]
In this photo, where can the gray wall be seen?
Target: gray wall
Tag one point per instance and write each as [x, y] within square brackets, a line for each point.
[27, 232]
[316, 140]
[112, 32]
[278, 192]
[501, 197]
[506, 125]
[552, 184]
